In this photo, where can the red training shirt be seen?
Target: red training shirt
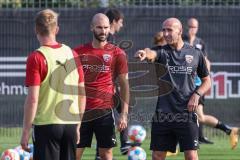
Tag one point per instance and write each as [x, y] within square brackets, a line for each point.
[101, 67]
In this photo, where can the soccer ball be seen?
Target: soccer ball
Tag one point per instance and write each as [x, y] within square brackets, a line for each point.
[24, 155]
[31, 150]
[136, 134]
[136, 153]
[10, 154]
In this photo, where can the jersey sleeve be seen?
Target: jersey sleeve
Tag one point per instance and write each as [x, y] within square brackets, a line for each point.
[120, 64]
[158, 49]
[36, 69]
[202, 70]
[79, 67]
[204, 50]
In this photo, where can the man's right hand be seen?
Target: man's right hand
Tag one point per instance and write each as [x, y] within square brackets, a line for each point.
[146, 54]
[24, 140]
[141, 55]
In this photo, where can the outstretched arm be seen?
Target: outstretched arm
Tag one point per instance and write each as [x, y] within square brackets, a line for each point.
[146, 54]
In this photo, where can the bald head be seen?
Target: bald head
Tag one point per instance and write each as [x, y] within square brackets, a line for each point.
[172, 31]
[193, 22]
[100, 18]
[174, 22]
[100, 27]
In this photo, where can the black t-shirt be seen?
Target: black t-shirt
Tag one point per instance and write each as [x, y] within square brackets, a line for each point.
[197, 43]
[112, 39]
[182, 67]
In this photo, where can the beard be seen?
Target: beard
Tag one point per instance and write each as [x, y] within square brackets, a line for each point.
[100, 37]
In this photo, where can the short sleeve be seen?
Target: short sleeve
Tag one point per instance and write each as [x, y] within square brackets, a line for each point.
[36, 69]
[158, 49]
[204, 50]
[202, 70]
[120, 64]
[79, 67]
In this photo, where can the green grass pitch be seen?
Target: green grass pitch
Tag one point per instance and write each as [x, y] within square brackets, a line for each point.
[220, 150]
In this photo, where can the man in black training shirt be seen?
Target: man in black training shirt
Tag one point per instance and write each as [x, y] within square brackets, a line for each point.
[175, 120]
[116, 23]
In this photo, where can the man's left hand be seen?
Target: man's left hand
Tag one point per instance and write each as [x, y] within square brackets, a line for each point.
[122, 124]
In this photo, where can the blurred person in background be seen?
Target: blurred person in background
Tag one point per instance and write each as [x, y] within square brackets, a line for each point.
[209, 120]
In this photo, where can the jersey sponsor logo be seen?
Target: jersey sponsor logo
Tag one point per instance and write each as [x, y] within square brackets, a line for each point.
[189, 58]
[106, 57]
[180, 69]
[199, 46]
[96, 68]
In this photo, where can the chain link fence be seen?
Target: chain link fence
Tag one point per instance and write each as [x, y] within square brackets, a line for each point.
[112, 3]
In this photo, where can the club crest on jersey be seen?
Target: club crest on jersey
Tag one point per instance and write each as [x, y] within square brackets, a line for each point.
[188, 58]
[106, 57]
[84, 58]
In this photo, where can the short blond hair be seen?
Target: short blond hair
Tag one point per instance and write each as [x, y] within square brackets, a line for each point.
[46, 21]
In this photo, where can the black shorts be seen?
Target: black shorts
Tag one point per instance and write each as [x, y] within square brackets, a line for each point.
[166, 133]
[104, 129]
[55, 141]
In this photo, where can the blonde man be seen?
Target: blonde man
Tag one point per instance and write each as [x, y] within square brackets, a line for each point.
[54, 79]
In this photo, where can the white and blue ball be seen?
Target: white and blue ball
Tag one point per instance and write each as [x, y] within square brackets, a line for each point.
[10, 154]
[136, 153]
[136, 134]
[24, 155]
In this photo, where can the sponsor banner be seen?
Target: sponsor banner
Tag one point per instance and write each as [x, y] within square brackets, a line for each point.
[12, 76]
[225, 81]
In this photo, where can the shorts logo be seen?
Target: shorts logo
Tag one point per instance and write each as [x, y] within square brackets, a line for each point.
[195, 143]
[188, 58]
[106, 57]
[114, 140]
